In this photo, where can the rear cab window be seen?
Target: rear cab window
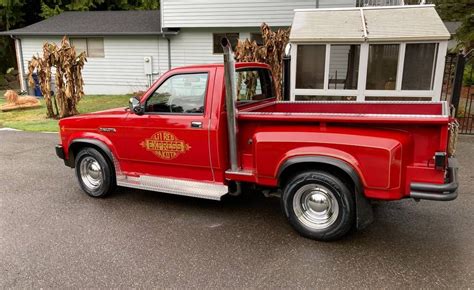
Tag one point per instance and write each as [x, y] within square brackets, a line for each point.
[253, 85]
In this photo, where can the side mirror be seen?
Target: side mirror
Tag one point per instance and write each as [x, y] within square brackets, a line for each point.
[135, 106]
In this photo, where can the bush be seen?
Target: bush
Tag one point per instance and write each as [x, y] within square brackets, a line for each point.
[468, 78]
[68, 76]
[3, 81]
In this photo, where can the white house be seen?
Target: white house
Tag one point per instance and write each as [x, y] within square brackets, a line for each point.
[129, 49]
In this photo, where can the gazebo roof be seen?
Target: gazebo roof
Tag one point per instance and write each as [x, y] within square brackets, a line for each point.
[368, 24]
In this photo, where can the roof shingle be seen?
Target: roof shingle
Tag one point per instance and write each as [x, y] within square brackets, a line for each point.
[133, 22]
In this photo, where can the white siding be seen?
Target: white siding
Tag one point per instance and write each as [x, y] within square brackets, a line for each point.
[194, 46]
[121, 71]
[237, 13]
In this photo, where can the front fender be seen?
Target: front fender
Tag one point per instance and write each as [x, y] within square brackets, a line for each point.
[95, 139]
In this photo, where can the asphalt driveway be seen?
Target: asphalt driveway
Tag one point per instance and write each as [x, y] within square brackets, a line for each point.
[53, 235]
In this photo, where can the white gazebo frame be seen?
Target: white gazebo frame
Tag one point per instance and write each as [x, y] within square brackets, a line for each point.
[361, 92]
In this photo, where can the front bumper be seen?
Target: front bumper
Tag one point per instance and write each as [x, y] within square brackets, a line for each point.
[60, 151]
[440, 192]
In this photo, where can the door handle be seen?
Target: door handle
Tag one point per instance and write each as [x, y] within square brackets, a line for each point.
[196, 124]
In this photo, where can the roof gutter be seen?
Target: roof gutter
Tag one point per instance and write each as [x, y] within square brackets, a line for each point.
[20, 33]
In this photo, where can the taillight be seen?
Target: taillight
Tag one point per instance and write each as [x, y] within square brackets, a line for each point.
[440, 160]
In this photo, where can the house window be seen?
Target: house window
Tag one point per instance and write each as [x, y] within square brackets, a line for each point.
[344, 67]
[257, 37]
[419, 66]
[233, 38]
[310, 65]
[382, 66]
[92, 46]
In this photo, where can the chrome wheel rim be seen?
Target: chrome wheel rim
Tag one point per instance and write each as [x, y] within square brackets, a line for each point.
[315, 206]
[91, 173]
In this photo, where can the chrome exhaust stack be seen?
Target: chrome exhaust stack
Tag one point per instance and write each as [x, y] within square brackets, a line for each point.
[231, 98]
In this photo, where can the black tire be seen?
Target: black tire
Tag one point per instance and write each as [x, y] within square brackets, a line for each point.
[100, 170]
[319, 205]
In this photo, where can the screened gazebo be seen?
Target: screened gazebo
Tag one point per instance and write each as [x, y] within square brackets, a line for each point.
[370, 53]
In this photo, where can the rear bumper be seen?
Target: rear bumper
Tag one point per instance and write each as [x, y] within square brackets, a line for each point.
[440, 192]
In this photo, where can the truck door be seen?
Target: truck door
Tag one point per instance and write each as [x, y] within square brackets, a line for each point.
[171, 139]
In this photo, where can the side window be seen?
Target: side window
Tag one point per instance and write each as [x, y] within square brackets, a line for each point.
[184, 93]
[254, 84]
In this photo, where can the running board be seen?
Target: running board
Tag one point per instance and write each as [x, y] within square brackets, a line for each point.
[174, 186]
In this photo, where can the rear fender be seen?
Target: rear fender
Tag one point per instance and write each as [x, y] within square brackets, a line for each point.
[377, 159]
[324, 155]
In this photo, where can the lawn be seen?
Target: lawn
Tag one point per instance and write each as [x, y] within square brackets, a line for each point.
[35, 119]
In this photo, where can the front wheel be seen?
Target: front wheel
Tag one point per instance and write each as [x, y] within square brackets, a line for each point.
[94, 173]
[319, 205]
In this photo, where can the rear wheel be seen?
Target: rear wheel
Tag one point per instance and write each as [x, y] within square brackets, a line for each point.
[94, 173]
[319, 205]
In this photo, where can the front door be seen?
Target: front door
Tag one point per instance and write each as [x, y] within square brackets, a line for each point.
[172, 138]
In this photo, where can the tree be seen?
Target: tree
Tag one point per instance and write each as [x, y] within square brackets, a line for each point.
[459, 10]
[68, 77]
[11, 16]
[11, 13]
[271, 53]
[54, 7]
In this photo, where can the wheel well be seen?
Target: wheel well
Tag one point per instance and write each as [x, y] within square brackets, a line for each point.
[297, 168]
[77, 146]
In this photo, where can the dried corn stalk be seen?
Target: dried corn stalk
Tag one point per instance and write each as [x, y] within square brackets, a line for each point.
[271, 53]
[68, 77]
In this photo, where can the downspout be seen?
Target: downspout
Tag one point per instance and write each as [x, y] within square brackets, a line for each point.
[167, 38]
[169, 52]
[20, 64]
[286, 72]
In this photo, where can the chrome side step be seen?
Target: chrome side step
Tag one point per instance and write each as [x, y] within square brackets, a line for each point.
[174, 186]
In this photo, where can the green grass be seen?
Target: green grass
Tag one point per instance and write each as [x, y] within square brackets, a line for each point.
[35, 119]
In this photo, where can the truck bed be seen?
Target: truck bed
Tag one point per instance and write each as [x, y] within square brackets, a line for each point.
[366, 112]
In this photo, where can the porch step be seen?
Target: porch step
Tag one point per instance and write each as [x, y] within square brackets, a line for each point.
[198, 189]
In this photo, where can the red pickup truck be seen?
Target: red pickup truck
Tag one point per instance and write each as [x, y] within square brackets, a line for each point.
[188, 136]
